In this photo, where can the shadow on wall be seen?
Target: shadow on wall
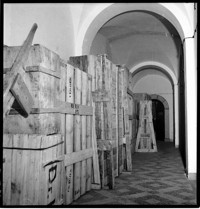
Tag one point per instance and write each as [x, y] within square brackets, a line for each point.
[182, 138]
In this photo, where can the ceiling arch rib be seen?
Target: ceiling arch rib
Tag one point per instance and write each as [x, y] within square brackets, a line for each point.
[156, 66]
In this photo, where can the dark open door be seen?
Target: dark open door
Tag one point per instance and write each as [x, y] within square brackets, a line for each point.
[158, 119]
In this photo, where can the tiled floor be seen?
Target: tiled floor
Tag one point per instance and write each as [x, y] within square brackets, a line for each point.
[157, 179]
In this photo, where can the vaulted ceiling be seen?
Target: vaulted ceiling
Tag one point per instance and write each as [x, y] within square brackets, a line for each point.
[140, 36]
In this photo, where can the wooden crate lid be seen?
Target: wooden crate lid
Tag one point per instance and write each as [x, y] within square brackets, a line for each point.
[39, 56]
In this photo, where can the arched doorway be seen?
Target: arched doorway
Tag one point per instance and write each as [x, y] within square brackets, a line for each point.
[158, 111]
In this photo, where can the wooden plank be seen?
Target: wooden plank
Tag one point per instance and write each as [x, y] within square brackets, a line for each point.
[77, 139]
[89, 138]
[75, 157]
[117, 120]
[95, 152]
[22, 94]
[126, 120]
[25, 162]
[111, 176]
[20, 60]
[63, 73]
[69, 133]
[45, 70]
[7, 169]
[83, 132]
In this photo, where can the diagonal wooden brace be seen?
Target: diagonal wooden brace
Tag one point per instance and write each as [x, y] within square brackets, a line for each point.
[22, 94]
[17, 67]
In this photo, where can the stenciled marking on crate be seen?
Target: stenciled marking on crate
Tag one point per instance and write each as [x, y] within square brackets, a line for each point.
[69, 180]
[70, 87]
[52, 173]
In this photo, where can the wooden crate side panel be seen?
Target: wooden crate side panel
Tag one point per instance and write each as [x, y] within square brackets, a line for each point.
[25, 178]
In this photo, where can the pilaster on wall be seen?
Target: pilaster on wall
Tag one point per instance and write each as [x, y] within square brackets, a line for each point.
[191, 105]
[176, 116]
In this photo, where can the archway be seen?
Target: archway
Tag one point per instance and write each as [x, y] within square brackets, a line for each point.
[178, 17]
[174, 82]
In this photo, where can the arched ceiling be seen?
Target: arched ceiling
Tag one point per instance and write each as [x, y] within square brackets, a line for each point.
[140, 36]
[137, 23]
[149, 71]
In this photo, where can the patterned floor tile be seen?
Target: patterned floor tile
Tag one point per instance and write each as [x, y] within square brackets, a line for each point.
[157, 179]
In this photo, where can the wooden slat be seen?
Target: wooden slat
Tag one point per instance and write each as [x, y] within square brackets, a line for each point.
[77, 139]
[75, 157]
[62, 95]
[45, 70]
[89, 138]
[126, 120]
[69, 133]
[20, 60]
[95, 152]
[83, 131]
[7, 167]
[22, 94]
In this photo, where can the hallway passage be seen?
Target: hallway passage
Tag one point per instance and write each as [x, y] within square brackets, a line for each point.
[157, 179]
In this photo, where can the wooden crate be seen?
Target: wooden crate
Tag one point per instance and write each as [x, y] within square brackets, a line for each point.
[105, 85]
[78, 133]
[32, 169]
[42, 78]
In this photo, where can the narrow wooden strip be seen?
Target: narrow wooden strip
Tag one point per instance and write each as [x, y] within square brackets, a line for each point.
[77, 138]
[69, 134]
[83, 130]
[95, 152]
[22, 94]
[89, 139]
[117, 120]
[42, 69]
[65, 109]
[78, 156]
[7, 169]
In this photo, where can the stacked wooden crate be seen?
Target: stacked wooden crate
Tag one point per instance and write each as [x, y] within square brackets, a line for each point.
[30, 144]
[107, 95]
[55, 143]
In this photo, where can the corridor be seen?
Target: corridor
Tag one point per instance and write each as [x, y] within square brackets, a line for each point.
[157, 179]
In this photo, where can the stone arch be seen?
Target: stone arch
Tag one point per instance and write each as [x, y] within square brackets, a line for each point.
[166, 107]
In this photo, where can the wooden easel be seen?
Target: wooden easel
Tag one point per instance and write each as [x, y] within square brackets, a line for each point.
[146, 137]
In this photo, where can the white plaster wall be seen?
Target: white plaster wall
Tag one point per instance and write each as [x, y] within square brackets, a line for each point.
[157, 84]
[55, 26]
[101, 45]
